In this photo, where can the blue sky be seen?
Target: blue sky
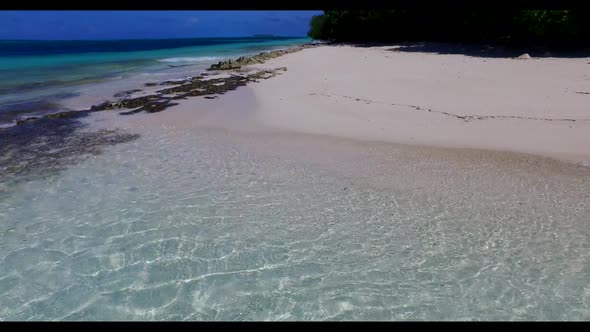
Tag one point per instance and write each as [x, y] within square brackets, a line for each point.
[150, 24]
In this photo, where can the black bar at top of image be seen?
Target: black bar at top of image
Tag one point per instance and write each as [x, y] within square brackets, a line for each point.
[281, 4]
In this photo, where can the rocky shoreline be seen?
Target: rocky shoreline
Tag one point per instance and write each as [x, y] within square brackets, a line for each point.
[45, 144]
[199, 85]
[256, 59]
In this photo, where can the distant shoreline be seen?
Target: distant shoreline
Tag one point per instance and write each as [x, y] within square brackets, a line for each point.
[417, 97]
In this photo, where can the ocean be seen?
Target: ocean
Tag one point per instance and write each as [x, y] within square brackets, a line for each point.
[36, 77]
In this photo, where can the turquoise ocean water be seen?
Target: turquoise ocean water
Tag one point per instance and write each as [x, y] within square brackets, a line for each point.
[36, 75]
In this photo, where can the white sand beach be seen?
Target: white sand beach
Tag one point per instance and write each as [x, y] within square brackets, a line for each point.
[538, 106]
[433, 99]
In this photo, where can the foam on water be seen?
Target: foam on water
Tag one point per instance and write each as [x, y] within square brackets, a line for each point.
[212, 225]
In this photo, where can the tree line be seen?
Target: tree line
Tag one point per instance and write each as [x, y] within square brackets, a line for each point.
[551, 28]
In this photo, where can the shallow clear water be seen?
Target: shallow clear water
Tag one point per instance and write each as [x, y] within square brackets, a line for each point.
[220, 225]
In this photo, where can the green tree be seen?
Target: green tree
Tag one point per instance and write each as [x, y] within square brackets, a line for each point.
[316, 27]
[555, 28]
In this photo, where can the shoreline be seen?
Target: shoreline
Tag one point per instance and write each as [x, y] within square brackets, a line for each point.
[312, 95]
[91, 78]
[235, 115]
[215, 80]
[43, 144]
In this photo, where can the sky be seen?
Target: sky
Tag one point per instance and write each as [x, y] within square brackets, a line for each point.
[47, 25]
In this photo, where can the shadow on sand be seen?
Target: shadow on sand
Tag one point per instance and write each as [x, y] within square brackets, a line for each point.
[476, 50]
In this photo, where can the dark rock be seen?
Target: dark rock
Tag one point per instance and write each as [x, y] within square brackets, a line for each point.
[151, 107]
[151, 84]
[155, 106]
[100, 107]
[48, 145]
[255, 59]
[62, 115]
[173, 82]
[162, 99]
[23, 121]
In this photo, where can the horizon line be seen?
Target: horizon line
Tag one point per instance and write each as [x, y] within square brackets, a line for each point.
[164, 38]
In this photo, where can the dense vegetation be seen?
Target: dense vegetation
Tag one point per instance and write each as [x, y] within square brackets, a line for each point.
[551, 28]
